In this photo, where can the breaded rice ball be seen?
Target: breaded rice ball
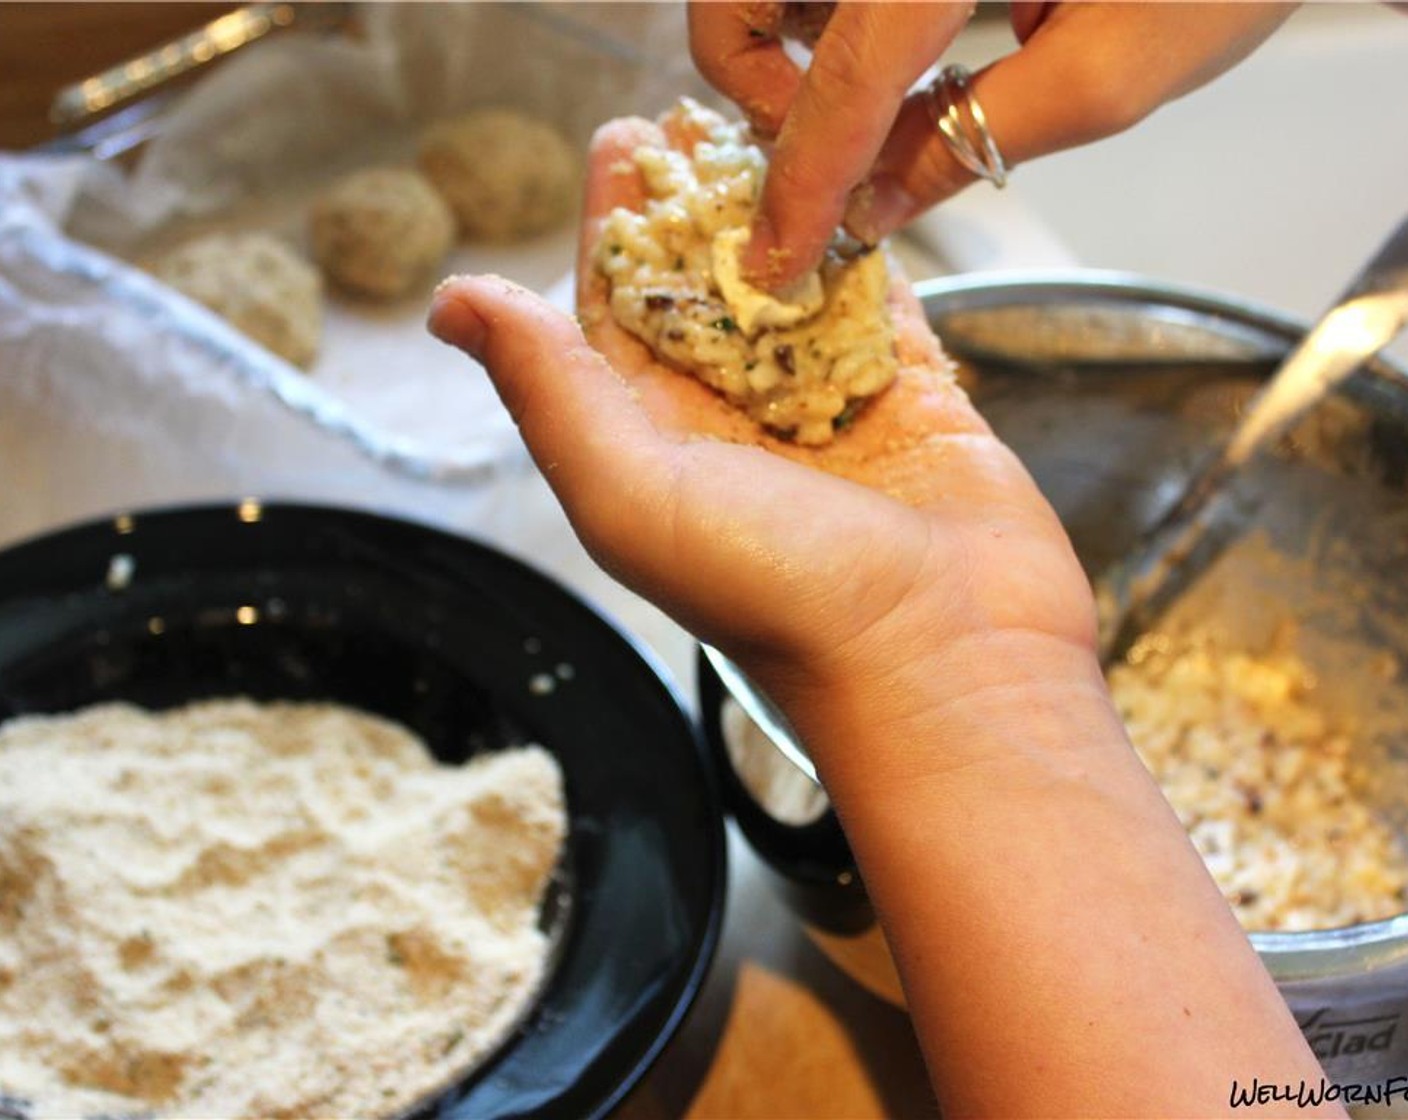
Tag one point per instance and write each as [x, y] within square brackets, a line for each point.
[257, 283]
[376, 232]
[504, 174]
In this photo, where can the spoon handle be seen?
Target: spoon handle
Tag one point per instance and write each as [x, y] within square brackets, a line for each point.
[1192, 533]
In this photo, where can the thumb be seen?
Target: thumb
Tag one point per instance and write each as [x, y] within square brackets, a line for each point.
[597, 449]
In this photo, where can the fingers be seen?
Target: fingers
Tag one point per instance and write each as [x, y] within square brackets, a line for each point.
[1086, 71]
[612, 179]
[865, 61]
[913, 171]
[737, 48]
[596, 448]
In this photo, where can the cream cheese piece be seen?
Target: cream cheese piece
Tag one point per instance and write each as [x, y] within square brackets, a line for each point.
[753, 309]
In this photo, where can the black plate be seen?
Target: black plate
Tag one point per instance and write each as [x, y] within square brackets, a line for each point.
[469, 649]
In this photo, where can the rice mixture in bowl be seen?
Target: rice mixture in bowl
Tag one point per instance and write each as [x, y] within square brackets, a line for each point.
[800, 363]
[1268, 784]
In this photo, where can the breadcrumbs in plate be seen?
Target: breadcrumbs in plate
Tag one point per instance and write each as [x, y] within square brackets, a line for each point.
[261, 910]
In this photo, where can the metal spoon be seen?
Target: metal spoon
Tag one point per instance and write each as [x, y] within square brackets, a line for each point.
[1197, 527]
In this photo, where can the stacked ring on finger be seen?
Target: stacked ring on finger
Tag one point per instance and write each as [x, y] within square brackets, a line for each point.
[964, 127]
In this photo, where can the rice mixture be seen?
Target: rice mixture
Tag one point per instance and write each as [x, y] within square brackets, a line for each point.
[800, 364]
[1265, 783]
[245, 910]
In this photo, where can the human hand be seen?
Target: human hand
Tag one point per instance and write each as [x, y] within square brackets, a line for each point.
[909, 598]
[913, 533]
[1084, 71]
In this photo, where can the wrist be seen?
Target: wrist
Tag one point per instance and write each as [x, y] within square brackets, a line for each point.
[989, 699]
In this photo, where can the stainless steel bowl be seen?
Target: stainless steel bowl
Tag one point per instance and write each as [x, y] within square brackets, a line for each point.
[1112, 388]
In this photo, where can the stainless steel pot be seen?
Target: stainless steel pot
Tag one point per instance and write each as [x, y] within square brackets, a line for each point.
[1112, 388]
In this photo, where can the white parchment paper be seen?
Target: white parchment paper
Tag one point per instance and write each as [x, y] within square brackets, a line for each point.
[248, 148]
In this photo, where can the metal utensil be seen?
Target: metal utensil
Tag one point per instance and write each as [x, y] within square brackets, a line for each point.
[1197, 527]
[762, 711]
[114, 110]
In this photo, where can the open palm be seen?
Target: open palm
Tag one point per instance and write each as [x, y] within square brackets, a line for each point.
[913, 529]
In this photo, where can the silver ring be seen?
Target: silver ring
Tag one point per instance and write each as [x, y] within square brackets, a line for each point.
[963, 125]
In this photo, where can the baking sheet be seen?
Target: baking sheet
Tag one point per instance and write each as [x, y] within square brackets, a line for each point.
[376, 357]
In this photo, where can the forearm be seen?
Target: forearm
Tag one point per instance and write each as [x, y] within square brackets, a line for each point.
[1035, 886]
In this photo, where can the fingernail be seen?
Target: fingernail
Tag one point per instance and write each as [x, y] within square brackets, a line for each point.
[878, 207]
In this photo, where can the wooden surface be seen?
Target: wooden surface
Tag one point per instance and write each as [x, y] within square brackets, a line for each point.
[778, 1031]
[45, 46]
